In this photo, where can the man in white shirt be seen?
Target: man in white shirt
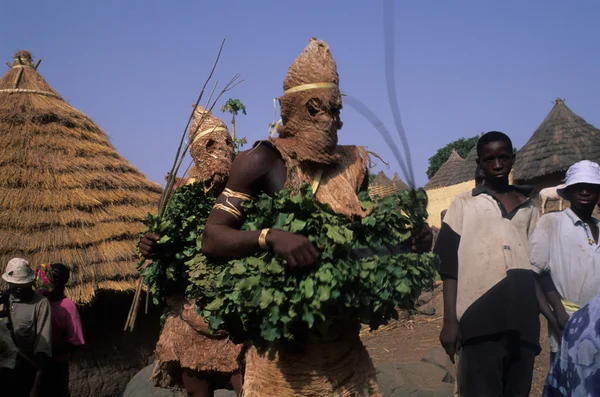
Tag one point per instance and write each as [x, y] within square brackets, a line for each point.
[564, 248]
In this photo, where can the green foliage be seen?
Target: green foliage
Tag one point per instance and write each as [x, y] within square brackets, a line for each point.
[261, 300]
[234, 106]
[238, 143]
[258, 298]
[372, 177]
[462, 146]
[181, 229]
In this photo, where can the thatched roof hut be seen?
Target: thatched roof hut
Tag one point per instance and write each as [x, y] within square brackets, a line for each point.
[399, 183]
[466, 171]
[446, 173]
[383, 186]
[561, 140]
[66, 194]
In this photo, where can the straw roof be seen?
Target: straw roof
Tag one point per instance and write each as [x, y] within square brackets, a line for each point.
[66, 194]
[561, 140]
[446, 173]
[399, 183]
[465, 171]
[383, 186]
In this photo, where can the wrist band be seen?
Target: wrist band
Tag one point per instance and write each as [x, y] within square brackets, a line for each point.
[262, 239]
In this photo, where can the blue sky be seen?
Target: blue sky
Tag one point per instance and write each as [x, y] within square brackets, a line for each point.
[462, 67]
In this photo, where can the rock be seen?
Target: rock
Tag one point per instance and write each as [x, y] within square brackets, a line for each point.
[140, 386]
[425, 298]
[416, 379]
[427, 310]
[440, 358]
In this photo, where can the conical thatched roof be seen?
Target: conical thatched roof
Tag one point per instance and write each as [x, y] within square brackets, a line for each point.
[382, 179]
[399, 183]
[466, 171]
[66, 194]
[383, 186]
[561, 140]
[446, 173]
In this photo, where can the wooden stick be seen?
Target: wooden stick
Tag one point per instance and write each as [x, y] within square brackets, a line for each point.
[37, 64]
[132, 308]
[147, 300]
[136, 308]
[18, 79]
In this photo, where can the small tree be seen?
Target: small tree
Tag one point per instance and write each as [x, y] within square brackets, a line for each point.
[233, 106]
[462, 146]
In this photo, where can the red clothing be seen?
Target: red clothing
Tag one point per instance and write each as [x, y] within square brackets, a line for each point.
[66, 325]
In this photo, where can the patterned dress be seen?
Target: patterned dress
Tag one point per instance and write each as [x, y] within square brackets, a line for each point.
[575, 371]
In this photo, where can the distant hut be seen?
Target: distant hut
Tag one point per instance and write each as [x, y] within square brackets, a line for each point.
[399, 183]
[561, 140]
[446, 173]
[68, 196]
[383, 186]
[453, 177]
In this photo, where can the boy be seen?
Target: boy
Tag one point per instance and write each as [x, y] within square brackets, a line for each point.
[564, 248]
[490, 304]
[29, 321]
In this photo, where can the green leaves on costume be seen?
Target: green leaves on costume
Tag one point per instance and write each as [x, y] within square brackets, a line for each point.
[261, 300]
[361, 273]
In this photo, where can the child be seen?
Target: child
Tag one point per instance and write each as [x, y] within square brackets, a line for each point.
[490, 303]
[67, 334]
[564, 247]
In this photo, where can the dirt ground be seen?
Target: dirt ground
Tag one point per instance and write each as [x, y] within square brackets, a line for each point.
[410, 340]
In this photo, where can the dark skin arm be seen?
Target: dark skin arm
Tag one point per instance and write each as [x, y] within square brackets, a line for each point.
[450, 335]
[253, 172]
[258, 170]
[546, 310]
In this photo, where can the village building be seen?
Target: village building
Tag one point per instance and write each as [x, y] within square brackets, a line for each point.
[67, 196]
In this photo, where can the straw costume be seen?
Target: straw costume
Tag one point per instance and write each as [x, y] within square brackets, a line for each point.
[335, 364]
[185, 343]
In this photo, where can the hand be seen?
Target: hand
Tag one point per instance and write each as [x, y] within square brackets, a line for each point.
[296, 249]
[562, 318]
[450, 338]
[422, 238]
[34, 392]
[149, 245]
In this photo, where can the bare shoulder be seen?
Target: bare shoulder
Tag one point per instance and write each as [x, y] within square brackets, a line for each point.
[251, 165]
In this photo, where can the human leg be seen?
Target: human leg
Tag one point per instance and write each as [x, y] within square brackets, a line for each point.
[519, 371]
[481, 369]
[236, 383]
[195, 386]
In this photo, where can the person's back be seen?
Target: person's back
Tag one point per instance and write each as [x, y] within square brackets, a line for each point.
[490, 303]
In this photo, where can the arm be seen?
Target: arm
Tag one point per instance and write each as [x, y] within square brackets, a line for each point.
[251, 172]
[545, 307]
[539, 256]
[447, 249]
[554, 299]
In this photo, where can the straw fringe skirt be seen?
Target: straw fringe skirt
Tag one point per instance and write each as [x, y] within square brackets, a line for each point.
[337, 366]
[186, 343]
